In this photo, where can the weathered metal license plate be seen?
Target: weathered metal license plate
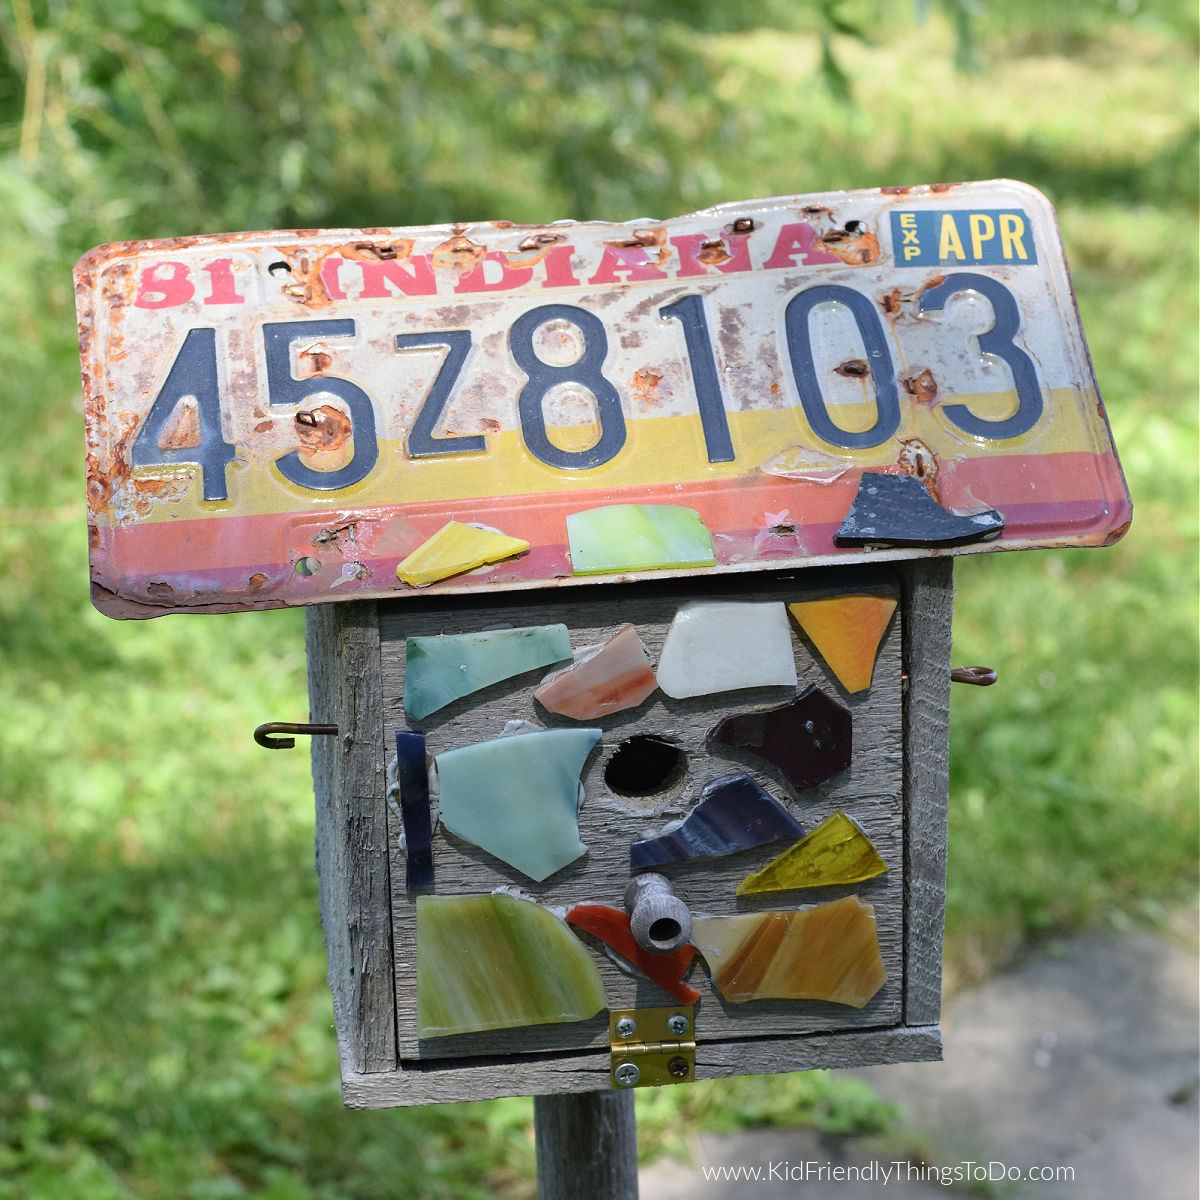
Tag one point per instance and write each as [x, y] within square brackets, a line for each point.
[281, 418]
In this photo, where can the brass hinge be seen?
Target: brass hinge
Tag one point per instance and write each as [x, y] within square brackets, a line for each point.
[652, 1046]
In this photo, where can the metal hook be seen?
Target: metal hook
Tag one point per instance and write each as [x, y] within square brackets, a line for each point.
[979, 676]
[262, 735]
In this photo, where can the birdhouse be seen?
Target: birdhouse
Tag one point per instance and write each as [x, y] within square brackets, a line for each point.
[628, 549]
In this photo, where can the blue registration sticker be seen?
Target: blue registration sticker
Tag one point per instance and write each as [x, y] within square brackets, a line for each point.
[963, 237]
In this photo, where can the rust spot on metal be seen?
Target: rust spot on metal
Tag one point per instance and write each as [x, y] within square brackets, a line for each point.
[895, 191]
[256, 581]
[458, 253]
[918, 460]
[817, 210]
[400, 249]
[264, 427]
[319, 359]
[538, 240]
[892, 302]
[853, 368]
[650, 239]
[942, 187]
[322, 429]
[183, 430]
[854, 243]
[490, 424]
[93, 537]
[713, 253]
[774, 389]
[645, 385]
[159, 589]
[1117, 534]
[744, 225]
[924, 387]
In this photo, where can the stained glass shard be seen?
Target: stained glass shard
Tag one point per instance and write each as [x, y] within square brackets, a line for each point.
[829, 952]
[518, 797]
[897, 510]
[733, 814]
[808, 738]
[637, 537]
[837, 851]
[603, 679]
[846, 631]
[456, 548]
[412, 778]
[611, 926]
[720, 646]
[439, 670]
[497, 962]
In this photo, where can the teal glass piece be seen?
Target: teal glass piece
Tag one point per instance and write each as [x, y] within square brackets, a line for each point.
[518, 797]
[637, 537]
[439, 670]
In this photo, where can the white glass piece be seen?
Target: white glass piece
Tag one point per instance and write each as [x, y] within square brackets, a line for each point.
[723, 645]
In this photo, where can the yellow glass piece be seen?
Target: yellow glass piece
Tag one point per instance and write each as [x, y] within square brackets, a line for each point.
[830, 952]
[837, 851]
[456, 548]
[846, 630]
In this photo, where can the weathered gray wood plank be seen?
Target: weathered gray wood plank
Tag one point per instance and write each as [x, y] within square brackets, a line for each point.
[353, 864]
[584, 1071]
[871, 791]
[928, 603]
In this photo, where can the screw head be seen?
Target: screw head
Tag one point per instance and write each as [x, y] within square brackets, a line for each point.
[678, 1068]
[626, 1027]
[627, 1074]
[678, 1024]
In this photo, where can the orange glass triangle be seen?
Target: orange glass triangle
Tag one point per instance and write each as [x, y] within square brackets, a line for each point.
[846, 630]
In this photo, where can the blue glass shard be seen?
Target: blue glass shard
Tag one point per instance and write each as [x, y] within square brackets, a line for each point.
[733, 814]
[897, 510]
[412, 775]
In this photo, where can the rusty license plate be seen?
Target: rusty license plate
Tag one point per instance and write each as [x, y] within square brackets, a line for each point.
[279, 418]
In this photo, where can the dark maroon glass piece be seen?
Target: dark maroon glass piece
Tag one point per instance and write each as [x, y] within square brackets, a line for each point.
[412, 774]
[808, 739]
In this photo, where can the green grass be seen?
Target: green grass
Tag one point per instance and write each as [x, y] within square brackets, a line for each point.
[165, 1027]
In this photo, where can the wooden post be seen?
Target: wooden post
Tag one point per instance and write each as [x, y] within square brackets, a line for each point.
[586, 1146]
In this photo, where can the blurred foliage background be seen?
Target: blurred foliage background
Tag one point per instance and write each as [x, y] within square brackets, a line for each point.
[165, 1029]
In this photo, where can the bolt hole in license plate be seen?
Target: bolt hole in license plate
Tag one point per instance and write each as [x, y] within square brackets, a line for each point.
[283, 418]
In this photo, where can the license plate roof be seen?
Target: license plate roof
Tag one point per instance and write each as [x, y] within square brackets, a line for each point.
[281, 418]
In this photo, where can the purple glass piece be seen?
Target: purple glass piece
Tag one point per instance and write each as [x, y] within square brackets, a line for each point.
[897, 510]
[733, 814]
[808, 738]
[413, 777]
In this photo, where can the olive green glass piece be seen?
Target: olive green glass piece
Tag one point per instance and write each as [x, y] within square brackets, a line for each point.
[499, 962]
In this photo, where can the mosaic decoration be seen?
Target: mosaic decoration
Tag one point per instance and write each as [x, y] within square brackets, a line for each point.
[830, 952]
[499, 962]
[518, 797]
[637, 537]
[412, 778]
[720, 646]
[733, 814]
[603, 679]
[808, 739]
[846, 631]
[897, 510]
[837, 851]
[456, 548]
[440, 670]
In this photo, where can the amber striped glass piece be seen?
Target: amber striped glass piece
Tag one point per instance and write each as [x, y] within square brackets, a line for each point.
[846, 630]
[829, 952]
[837, 851]
[498, 962]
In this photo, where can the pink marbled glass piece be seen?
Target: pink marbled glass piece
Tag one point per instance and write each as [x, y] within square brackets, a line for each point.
[603, 679]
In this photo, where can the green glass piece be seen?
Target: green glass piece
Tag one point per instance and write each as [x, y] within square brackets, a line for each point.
[637, 537]
[837, 851]
[518, 797]
[496, 962]
[439, 670]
